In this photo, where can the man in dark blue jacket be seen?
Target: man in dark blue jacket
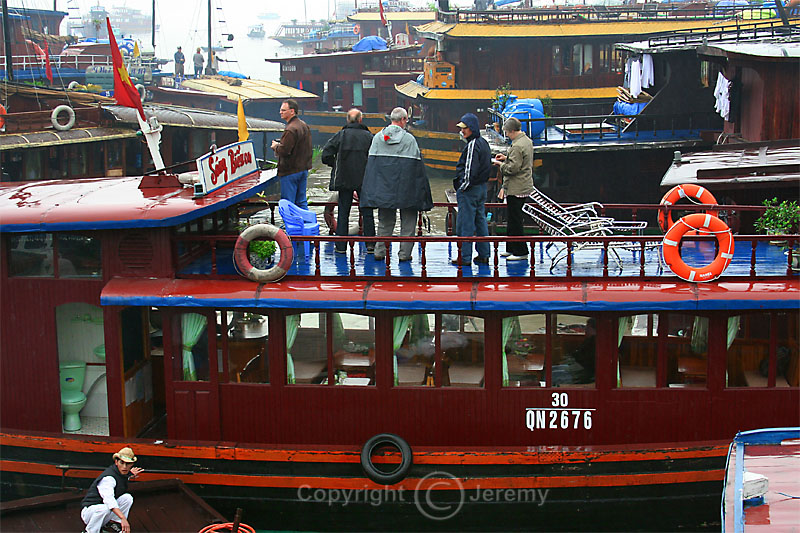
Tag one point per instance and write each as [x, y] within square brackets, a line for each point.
[472, 173]
[347, 153]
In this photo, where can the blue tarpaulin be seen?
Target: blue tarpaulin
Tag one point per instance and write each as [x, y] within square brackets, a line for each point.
[624, 108]
[373, 42]
[232, 74]
[526, 108]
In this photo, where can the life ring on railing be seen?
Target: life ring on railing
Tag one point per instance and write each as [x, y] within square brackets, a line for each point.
[705, 223]
[399, 473]
[70, 117]
[72, 85]
[689, 191]
[328, 215]
[266, 231]
[141, 90]
[2, 116]
[356, 29]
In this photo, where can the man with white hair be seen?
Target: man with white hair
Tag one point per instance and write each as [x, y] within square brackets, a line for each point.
[395, 178]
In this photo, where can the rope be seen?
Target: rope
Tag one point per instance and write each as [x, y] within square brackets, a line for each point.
[227, 526]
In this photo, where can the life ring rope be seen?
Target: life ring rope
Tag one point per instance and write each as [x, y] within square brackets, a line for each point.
[705, 223]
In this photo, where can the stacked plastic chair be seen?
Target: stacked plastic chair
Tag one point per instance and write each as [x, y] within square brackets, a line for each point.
[298, 221]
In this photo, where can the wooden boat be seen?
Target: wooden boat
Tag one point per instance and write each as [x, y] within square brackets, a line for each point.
[761, 480]
[165, 505]
[364, 394]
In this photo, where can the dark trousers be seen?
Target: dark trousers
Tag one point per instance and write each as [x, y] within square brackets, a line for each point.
[343, 217]
[514, 227]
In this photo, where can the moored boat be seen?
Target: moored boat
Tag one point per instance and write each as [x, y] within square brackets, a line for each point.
[390, 395]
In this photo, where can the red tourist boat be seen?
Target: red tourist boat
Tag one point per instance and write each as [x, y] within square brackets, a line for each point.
[364, 394]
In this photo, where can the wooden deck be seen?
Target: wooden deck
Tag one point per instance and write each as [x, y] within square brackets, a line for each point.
[165, 505]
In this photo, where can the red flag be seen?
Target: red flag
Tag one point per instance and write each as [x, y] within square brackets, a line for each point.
[48, 70]
[124, 91]
[383, 18]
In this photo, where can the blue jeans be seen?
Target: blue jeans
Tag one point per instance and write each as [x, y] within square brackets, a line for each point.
[471, 220]
[293, 188]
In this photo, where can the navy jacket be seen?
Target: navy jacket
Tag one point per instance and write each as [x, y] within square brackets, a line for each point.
[474, 165]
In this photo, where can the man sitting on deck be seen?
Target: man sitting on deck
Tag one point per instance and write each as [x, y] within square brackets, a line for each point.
[107, 501]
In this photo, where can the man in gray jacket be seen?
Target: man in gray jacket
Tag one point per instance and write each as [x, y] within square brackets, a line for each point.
[395, 178]
[517, 170]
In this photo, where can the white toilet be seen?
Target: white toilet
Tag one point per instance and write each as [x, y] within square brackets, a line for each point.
[72, 375]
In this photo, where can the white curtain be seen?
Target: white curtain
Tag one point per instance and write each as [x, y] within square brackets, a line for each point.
[292, 325]
[192, 326]
[700, 335]
[623, 327]
[401, 324]
[509, 324]
[733, 328]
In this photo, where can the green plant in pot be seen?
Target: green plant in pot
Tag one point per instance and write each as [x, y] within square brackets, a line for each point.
[778, 218]
[261, 253]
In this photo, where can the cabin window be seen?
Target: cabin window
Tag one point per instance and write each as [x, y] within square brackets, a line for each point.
[113, 156]
[582, 58]
[349, 349]
[192, 334]
[345, 69]
[32, 163]
[337, 93]
[77, 161]
[609, 59]
[752, 357]
[248, 341]
[133, 156]
[422, 342]
[573, 350]
[687, 350]
[78, 256]
[524, 345]
[306, 70]
[31, 255]
[316, 70]
[637, 342]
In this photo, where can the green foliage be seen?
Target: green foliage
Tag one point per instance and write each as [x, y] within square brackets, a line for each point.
[778, 218]
[262, 249]
[501, 96]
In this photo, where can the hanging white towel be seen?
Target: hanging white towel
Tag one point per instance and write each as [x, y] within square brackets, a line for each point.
[647, 71]
[636, 78]
[722, 103]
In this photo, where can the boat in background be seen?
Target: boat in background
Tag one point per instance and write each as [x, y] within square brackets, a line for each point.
[257, 31]
[761, 481]
[291, 34]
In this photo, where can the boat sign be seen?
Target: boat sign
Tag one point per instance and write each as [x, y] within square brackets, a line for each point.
[559, 415]
[224, 165]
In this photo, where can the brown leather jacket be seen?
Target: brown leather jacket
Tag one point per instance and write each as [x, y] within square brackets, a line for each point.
[294, 151]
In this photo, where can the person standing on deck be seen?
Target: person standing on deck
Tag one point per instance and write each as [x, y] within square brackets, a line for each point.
[198, 61]
[347, 153]
[395, 178]
[472, 174]
[294, 153]
[180, 61]
[107, 501]
[517, 170]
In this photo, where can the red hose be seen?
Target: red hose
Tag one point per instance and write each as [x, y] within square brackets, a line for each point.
[228, 526]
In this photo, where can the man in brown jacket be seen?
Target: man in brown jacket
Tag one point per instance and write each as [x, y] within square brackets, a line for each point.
[294, 155]
[517, 169]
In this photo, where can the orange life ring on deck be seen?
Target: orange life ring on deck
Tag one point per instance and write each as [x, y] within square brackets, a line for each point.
[2, 115]
[356, 29]
[706, 223]
[690, 191]
[266, 231]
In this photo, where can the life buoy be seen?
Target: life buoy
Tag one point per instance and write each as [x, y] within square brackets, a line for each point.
[379, 476]
[328, 215]
[2, 116]
[706, 223]
[356, 29]
[72, 85]
[265, 231]
[70, 117]
[141, 90]
[694, 193]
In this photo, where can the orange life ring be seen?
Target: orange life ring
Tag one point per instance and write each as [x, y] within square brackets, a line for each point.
[690, 191]
[2, 115]
[242, 260]
[706, 223]
[356, 29]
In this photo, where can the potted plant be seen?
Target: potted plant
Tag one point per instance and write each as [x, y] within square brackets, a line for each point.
[261, 253]
[778, 218]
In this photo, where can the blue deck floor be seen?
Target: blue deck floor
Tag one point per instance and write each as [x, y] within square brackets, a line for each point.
[770, 261]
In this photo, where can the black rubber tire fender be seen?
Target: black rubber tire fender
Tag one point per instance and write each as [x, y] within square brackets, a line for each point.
[398, 474]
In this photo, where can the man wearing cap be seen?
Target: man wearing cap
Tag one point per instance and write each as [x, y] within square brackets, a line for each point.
[472, 174]
[107, 502]
[180, 60]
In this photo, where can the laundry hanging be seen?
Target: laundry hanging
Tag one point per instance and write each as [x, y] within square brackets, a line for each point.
[722, 103]
[647, 71]
[636, 77]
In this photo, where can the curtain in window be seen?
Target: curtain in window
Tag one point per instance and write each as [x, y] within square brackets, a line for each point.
[292, 325]
[623, 327]
[700, 335]
[339, 337]
[192, 326]
[401, 324]
[509, 325]
[733, 328]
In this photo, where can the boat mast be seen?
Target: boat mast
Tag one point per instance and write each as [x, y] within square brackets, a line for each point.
[7, 42]
[210, 51]
[153, 26]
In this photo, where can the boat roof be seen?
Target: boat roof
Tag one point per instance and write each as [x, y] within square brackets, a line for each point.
[113, 203]
[413, 89]
[41, 139]
[749, 164]
[556, 29]
[392, 16]
[392, 50]
[248, 89]
[535, 296]
[189, 117]
[762, 39]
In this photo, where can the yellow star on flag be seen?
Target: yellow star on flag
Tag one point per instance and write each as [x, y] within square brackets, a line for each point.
[123, 74]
